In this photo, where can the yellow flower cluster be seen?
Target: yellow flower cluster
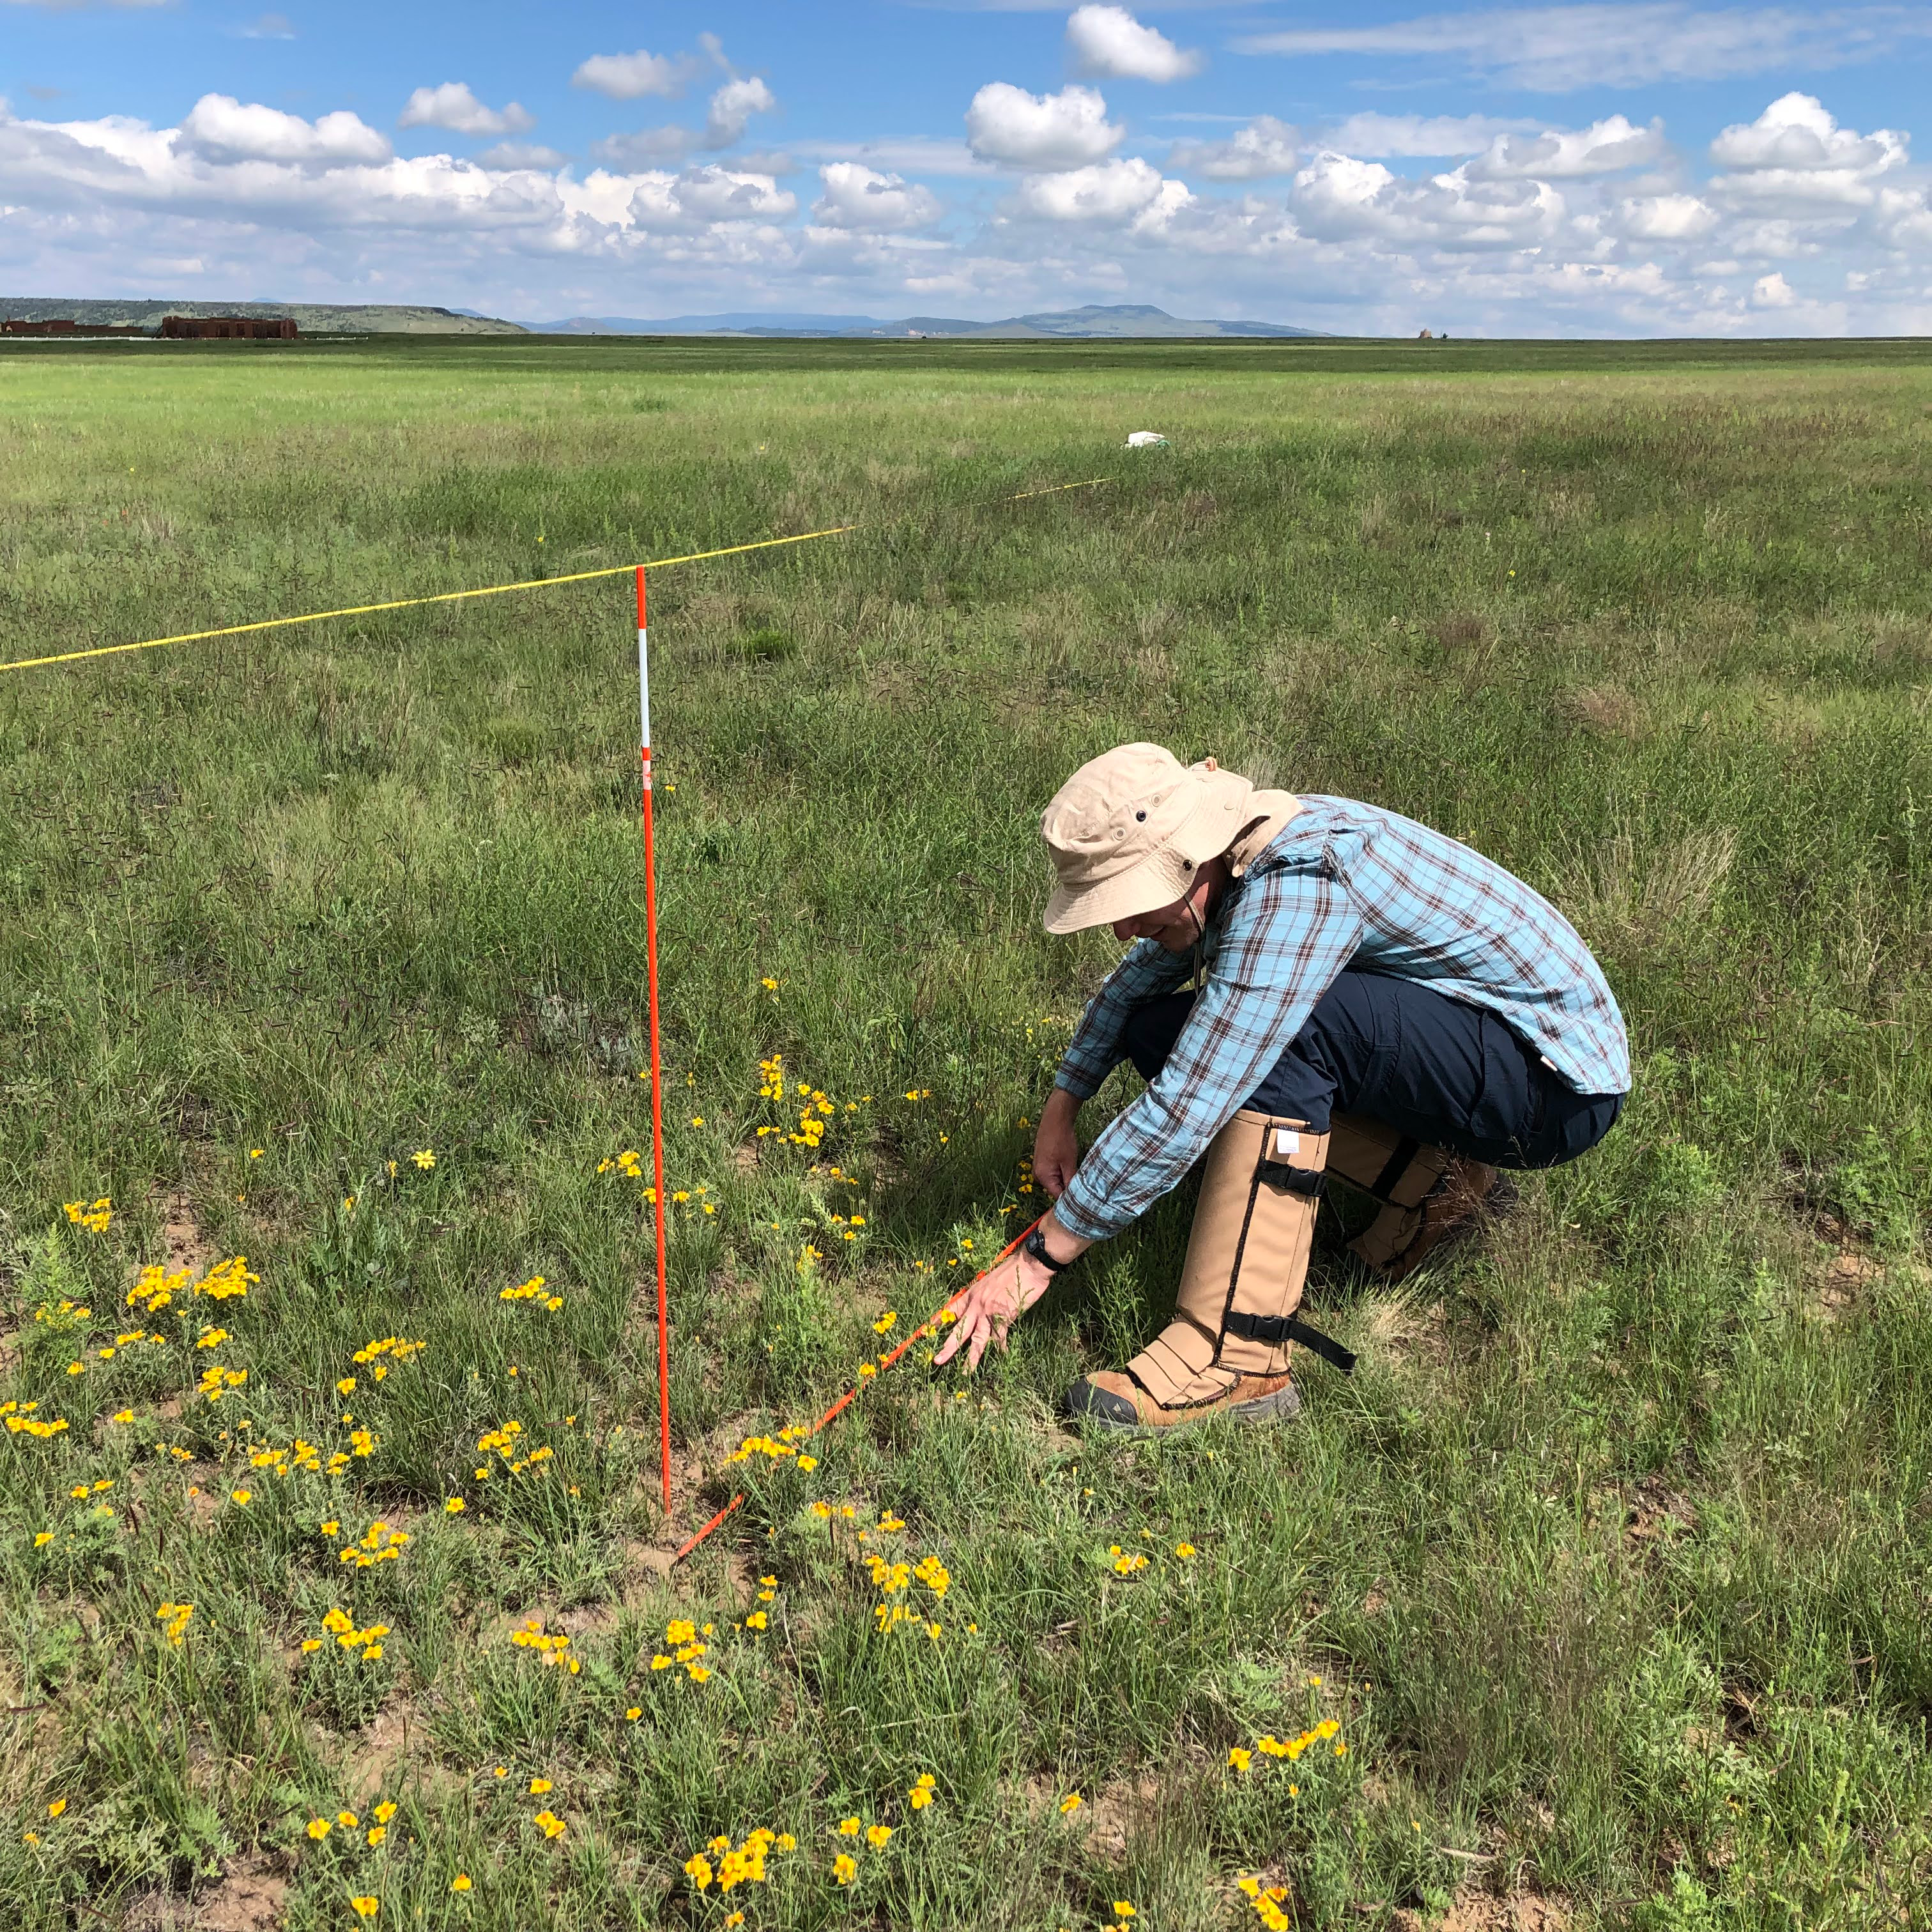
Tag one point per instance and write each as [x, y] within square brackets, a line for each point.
[629, 1164]
[64, 1316]
[1267, 1902]
[532, 1290]
[1240, 1758]
[378, 1543]
[892, 1579]
[737, 1864]
[777, 1447]
[759, 1621]
[504, 1442]
[1126, 1562]
[920, 1795]
[550, 1824]
[688, 1648]
[173, 1618]
[318, 1828]
[21, 1419]
[227, 1280]
[156, 1287]
[393, 1346]
[553, 1648]
[94, 1219]
[216, 1381]
[300, 1454]
[342, 1627]
[819, 1106]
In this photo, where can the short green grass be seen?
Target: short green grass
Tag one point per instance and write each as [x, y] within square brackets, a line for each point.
[1611, 1564]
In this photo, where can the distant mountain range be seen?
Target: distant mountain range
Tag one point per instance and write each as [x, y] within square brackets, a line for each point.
[1134, 318]
[311, 318]
[1122, 321]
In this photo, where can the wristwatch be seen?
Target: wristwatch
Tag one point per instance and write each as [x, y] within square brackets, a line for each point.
[1034, 1246]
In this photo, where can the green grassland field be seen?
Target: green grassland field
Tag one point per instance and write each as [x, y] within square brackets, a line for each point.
[332, 1582]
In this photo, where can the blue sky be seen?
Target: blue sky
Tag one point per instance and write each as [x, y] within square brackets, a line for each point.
[1657, 167]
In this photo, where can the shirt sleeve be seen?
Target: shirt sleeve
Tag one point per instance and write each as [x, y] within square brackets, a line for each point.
[1292, 932]
[1094, 1050]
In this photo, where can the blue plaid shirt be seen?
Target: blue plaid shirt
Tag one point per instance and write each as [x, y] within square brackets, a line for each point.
[1342, 884]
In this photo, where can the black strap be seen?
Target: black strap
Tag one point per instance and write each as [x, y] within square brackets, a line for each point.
[1286, 1179]
[1386, 1182]
[1271, 1331]
[1035, 1245]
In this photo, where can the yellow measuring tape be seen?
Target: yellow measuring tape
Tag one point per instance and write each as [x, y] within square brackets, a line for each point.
[489, 590]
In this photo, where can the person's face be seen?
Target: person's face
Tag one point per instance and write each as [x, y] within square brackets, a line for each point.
[1175, 927]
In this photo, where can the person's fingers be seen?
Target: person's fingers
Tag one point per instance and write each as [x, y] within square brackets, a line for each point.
[962, 1330]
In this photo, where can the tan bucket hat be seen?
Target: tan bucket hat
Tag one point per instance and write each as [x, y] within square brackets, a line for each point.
[1128, 830]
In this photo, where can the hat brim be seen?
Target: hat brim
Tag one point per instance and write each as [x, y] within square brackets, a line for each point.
[1165, 874]
[1158, 879]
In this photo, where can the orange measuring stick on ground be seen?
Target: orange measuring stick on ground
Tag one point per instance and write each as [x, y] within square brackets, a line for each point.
[838, 1408]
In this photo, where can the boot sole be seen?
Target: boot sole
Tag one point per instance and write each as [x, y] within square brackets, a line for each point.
[1284, 1405]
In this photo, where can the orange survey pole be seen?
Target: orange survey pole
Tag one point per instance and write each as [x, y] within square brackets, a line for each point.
[851, 1395]
[657, 1062]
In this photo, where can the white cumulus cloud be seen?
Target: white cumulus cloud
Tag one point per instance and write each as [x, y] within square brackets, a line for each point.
[220, 128]
[1773, 291]
[1265, 146]
[452, 106]
[1666, 218]
[856, 197]
[1339, 197]
[1105, 192]
[1602, 148]
[709, 194]
[732, 107]
[1067, 129]
[1110, 42]
[1797, 133]
[631, 77]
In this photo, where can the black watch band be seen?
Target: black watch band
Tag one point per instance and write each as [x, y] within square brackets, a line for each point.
[1034, 1246]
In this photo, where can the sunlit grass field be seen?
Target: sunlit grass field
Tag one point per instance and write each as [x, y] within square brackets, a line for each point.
[1601, 1594]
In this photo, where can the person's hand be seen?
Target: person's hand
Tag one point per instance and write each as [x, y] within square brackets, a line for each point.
[992, 1305]
[1056, 1146]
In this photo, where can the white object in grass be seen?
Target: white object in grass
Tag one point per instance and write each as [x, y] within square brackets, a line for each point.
[1147, 439]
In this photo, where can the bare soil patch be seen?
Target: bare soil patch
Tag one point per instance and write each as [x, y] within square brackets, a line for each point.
[249, 1897]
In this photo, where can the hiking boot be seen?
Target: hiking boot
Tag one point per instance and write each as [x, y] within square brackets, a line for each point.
[1226, 1351]
[1112, 1399]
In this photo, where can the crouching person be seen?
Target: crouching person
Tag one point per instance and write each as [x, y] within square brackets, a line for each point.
[1319, 987]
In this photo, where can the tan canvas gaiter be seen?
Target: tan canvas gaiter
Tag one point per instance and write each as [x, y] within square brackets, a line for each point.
[1396, 1170]
[1248, 1255]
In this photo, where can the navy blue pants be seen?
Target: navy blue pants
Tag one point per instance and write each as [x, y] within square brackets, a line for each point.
[1453, 1076]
